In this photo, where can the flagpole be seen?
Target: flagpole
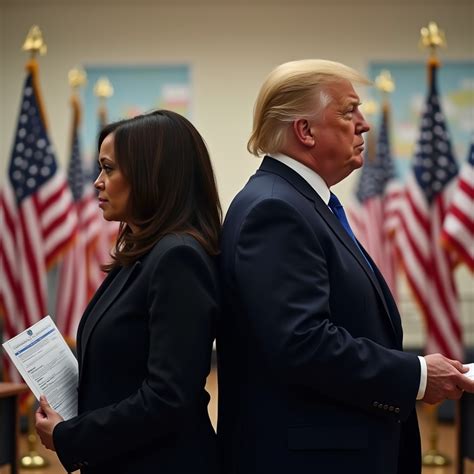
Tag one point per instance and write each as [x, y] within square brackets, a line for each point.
[103, 90]
[386, 85]
[432, 38]
[369, 109]
[34, 44]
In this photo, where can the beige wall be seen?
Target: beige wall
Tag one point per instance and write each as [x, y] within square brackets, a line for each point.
[231, 49]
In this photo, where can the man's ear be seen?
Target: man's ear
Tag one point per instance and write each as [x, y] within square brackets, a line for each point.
[303, 132]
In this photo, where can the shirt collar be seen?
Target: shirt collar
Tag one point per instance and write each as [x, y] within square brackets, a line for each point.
[310, 176]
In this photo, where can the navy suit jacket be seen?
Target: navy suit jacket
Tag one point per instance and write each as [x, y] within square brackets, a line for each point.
[144, 351]
[312, 376]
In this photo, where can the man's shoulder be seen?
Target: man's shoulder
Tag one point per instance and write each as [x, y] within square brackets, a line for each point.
[267, 197]
[262, 186]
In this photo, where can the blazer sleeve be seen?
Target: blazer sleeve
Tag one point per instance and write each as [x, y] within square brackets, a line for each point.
[182, 305]
[281, 272]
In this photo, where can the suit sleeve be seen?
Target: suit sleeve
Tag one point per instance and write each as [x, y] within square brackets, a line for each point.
[182, 305]
[281, 272]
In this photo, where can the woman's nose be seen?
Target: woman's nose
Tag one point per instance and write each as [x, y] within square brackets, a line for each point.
[99, 183]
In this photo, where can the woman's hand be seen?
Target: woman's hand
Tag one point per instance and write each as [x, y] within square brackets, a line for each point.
[46, 420]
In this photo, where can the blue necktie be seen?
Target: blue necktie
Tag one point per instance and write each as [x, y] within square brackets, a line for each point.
[337, 209]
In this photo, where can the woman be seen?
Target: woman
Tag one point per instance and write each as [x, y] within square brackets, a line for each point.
[144, 343]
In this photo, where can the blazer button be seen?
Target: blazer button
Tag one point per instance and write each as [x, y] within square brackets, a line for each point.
[376, 404]
[397, 410]
[380, 405]
[385, 407]
[390, 408]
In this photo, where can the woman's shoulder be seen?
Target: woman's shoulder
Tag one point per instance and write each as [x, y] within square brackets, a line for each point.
[178, 243]
[182, 253]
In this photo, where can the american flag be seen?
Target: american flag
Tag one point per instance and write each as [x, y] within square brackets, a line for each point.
[370, 214]
[427, 265]
[39, 221]
[458, 226]
[77, 271]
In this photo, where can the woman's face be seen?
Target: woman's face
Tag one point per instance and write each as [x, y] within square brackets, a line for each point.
[114, 190]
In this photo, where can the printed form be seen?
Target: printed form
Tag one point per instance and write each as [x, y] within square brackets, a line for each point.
[47, 365]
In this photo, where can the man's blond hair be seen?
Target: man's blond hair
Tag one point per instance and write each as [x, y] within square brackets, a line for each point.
[291, 91]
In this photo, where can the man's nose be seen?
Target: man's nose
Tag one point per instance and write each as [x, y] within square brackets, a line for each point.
[362, 125]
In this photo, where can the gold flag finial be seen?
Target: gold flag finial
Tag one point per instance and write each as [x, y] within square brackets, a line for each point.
[384, 82]
[432, 37]
[77, 77]
[34, 42]
[369, 107]
[103, 88]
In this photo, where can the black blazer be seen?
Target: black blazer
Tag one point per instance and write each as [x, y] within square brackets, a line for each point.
[312, 377]
[144, 350]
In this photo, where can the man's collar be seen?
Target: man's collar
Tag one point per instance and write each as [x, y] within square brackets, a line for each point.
[311, 177]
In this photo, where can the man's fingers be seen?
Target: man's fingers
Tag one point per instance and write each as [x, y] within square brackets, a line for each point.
[458, 365]
[465, 383]
[455, 394]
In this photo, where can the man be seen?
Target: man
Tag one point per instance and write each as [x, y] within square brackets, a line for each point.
[312, 376]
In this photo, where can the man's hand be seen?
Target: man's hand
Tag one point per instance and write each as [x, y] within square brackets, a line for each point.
[46, 420]
[445, 379]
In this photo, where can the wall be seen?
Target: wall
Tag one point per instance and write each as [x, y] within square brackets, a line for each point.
[231, 49]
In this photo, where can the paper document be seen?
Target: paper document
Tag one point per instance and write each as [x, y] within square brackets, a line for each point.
[47, 365]
[470, 374]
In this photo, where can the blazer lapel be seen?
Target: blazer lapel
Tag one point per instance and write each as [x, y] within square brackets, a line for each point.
[101, 303]
[301, 185]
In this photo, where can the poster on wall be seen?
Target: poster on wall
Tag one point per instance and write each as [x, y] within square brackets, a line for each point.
[456, 89]
[136, 89]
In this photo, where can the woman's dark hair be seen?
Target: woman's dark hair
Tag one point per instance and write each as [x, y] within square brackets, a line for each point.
[172, 186]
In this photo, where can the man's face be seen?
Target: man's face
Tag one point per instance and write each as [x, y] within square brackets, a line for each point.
[338, 134]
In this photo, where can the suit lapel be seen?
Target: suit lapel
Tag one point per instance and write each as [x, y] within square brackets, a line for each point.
[302, 186]
[110, 290]
[341, 234]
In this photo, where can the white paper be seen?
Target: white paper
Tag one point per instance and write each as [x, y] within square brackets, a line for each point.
[470, 374]
[47, 365]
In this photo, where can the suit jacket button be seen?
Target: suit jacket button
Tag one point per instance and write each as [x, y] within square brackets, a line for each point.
[390, 408]
[376, 404]
[397, 410]
[380, 405]
[385, 407]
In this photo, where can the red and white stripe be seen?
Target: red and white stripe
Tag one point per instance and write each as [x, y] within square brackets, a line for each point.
[369, 224]
[428, 267]
[33, 237]
[458, 226]
[73, 286]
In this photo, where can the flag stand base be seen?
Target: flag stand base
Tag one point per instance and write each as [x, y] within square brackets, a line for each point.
[435, 458]
[32, 460]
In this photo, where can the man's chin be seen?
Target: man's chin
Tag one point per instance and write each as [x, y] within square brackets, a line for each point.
[356, 162]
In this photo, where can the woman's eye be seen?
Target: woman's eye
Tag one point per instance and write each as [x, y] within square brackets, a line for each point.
[105, 168]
